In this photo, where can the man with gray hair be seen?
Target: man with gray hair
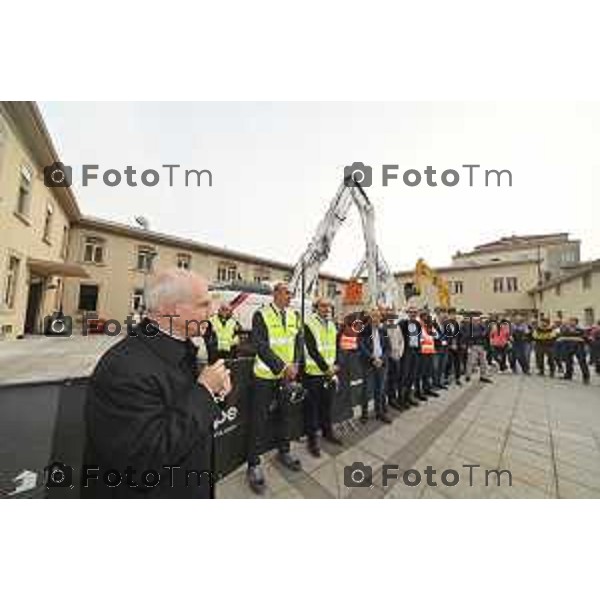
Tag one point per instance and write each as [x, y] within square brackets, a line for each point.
[149, 412]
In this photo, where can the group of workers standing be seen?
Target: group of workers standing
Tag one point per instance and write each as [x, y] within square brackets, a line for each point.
[403, 361]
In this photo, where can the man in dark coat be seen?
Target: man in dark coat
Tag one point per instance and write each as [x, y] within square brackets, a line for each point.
[149, 413]
[374, 349]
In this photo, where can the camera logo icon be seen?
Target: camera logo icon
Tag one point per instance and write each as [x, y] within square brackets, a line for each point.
[58, 324]
[358, 173]
[358, 475]
[58, 175]
[58, 475]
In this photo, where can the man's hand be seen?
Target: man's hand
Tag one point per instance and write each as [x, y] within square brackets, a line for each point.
[377, 362]
[216, 379]
[290, 372]
[333, 370]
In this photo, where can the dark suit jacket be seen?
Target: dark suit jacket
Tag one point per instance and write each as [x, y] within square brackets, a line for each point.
[145, 411]
[365, 344]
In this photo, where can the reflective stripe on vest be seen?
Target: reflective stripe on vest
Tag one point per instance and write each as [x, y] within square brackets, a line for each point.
[325, 337]
[225, 333]
[427, 342]
[348, 342]
[282, 340]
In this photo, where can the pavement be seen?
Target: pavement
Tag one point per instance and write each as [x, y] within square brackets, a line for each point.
[41, 358]
[545, 432]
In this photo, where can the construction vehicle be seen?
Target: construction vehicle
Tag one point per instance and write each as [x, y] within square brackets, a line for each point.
[381, 283]
[424, 275]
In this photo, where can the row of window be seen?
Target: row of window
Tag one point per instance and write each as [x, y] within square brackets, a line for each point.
[24, 201]
[505, 284]
[500, 285]
[586, 284]
[94, 252]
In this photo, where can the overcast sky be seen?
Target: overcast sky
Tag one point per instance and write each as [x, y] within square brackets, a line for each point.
[276, 167]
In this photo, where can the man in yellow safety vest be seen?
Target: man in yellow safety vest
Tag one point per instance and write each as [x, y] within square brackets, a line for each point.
[320, 337]
[275, 330]
[226, 330]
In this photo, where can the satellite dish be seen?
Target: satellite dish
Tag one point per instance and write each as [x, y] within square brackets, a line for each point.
[142, 222]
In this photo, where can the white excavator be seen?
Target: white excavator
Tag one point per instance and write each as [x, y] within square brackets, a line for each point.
[382, 286]
[245, 299]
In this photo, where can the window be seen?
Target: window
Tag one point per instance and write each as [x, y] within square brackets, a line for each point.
[48, 224]
[512, 284]
[331, 290]
[227, 272]
[88, 297]
[93, 250]
[137, 299]
[24, 194]
[588, 317]
[456, 287]
[586, 281]
[261, 275]
[10, 284]
[541, 297]
[184, 261]
[287, 277]
[64, 248]
[498, 284]
[145, 258]
[559, 314]
[557, 290]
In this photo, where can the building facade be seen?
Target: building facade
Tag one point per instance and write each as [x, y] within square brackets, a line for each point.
[118, 259]
[552, 252]
[499, 288]
[35, 223]
[52, 258]
[575, 294]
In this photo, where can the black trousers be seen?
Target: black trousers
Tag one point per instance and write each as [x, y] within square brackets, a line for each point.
[265, 398]
[576, 350]
[425, 373]
[454, 363]
[410, 369]
[543, 351]
[317, 406]
[394, 378]
[500, 356]
[375, 383]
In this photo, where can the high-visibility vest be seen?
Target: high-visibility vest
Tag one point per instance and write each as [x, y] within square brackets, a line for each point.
[325, 335]
[282, 340]
[226, 333]
[427, 341]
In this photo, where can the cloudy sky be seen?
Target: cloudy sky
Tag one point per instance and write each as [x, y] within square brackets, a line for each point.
[276, 167]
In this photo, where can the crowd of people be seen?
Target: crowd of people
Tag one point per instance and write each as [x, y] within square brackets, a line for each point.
[150, 404]
[413, 358]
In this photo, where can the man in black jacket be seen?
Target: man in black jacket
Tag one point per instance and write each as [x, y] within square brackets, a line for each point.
[275, 329]
[374, 349]
[320, 376]
[410, 365]
[149, 413]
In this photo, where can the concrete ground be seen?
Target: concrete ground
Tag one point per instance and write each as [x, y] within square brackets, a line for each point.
[51, 358]
[546, 432]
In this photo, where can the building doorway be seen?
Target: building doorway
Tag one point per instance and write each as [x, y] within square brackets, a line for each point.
[34, 302]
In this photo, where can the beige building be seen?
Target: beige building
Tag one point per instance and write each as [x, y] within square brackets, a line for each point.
[51, 257]
[490, 288]
[574, 294]
[498, 277]
[118, 258]
[35, 222]
[553, 252]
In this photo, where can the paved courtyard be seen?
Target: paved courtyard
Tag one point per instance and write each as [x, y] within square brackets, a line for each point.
[546, 432]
